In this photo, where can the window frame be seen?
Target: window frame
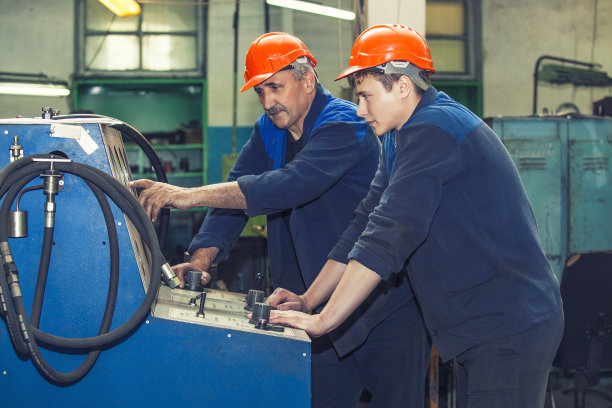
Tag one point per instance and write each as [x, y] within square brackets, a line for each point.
[82, 32]
[472, 40]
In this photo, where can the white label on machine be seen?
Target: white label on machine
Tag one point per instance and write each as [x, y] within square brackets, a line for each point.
[76, 132]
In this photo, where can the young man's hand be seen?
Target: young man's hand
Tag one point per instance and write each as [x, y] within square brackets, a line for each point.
[282, 299]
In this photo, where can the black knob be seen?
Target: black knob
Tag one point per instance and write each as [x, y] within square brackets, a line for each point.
[252, 297]
[192, 280]
[261, 315]
[202, 297]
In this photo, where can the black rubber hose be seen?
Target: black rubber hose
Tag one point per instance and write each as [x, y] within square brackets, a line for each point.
[135, 212]
[40, 362]
[48, 371]
[132, 209]
[7, 307]
[10, 317]
[45, 259]
[41, 278]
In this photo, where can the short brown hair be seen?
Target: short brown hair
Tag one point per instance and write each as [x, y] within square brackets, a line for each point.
[387, 80]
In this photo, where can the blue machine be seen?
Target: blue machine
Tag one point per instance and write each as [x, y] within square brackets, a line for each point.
[175, 356]
[564, 163]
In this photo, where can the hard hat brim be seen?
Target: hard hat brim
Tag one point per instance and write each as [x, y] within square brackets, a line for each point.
[256, 80]
[349, 71]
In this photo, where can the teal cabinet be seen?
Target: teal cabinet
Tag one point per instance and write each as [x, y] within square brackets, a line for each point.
[564, 164]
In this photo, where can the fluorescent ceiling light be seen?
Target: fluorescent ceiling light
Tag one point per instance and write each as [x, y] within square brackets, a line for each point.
[31, 84]
[16, 88]
[122, 8]
[313, 8]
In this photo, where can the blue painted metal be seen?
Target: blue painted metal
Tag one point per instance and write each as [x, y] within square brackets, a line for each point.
[564, 163]
[164, 362]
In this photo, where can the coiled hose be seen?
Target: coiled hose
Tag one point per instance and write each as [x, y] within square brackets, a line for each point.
[24, 332]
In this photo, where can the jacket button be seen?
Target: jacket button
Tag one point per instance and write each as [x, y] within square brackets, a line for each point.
[435, 332]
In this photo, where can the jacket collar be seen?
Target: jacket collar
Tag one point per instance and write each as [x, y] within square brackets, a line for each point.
[318, 103]
[426, 100]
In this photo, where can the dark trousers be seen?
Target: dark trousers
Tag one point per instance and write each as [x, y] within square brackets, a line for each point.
[391, 364]
[509, 372]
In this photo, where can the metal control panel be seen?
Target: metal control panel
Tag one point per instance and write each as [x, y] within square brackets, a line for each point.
[221, 310]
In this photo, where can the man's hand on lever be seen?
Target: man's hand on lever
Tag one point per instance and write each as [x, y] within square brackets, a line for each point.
[156, 196]
[311, 324]
[181, 270]
[201, 260]
[354, 287]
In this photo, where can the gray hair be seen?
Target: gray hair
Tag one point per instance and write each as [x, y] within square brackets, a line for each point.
[301, 67]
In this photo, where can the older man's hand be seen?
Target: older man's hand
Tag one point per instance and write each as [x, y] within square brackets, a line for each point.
[181, 269]
[156, 196]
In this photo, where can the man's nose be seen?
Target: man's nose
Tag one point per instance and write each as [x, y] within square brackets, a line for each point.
[362, 111]
[267, 101]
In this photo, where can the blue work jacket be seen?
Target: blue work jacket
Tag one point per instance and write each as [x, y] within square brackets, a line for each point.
[447, 202]
[322, 186]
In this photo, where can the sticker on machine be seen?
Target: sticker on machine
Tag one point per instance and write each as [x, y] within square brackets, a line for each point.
[76, 132]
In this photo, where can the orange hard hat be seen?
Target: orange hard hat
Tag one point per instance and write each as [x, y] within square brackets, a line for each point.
[269, 53]
[388, 42]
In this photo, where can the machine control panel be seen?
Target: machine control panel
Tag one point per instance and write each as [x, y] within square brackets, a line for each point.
[221, 309]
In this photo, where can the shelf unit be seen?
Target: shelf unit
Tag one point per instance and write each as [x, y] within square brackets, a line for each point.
[152, 106]
[183, 163]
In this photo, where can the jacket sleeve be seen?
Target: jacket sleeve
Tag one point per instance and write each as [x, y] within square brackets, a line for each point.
[332, 150]
[346, 242]
[222, 227]
[427, 158]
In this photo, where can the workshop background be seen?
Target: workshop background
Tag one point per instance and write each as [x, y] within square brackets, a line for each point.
[174, 72]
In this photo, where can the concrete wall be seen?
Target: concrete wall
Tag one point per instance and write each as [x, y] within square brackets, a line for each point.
[406, 12]
[517, 32]
[38, 36]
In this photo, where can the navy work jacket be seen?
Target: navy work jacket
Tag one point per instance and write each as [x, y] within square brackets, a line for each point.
[447, 202]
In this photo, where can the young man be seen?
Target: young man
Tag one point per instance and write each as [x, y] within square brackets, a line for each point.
[308, 163]
[448, 203]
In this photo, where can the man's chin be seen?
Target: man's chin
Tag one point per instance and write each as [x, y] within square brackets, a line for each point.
[377, 131]
[278, 123]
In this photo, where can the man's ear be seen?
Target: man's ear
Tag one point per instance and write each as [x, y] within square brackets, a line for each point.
[310, 81]
[405, 85]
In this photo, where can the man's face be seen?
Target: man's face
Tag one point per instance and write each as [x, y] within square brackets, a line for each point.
[285, 100]
[380, 108]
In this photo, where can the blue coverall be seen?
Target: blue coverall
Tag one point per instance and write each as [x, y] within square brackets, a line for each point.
[322, 186]
[447, 202]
